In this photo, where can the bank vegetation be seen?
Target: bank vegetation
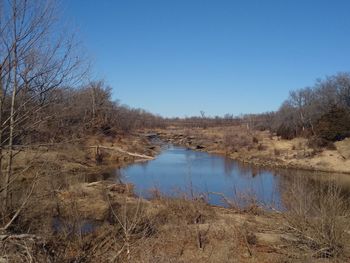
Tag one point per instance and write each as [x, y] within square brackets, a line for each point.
[61, 133]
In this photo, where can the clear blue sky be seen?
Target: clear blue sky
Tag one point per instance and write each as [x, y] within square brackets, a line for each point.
[177, 57]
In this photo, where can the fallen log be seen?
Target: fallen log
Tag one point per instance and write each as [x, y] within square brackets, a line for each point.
[19, 236]
[123, 151]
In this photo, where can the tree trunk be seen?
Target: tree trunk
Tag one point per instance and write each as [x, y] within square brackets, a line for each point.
[93, 96]
[13, 101]
[1, 105]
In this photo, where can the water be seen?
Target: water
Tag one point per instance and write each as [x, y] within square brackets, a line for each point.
[85, 226]
[178, 171]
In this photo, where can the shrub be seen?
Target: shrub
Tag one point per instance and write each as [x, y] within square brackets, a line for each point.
[334, 125]
[285, 132]
[319, 216]
[317, 143]
[277, 152]
[233, 142]
[261, 147]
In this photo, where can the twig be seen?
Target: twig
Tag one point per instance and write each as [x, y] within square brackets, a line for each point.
[21, 207]
[123, 151]
[229, 202]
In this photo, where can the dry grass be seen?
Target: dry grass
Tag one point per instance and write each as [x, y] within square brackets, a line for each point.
[262, 148]
[128, 229]
[320, 217]
[181, 230]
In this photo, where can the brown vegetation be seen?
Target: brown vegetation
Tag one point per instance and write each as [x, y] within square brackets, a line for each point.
[105, 222]
[240, 143]
[59, 136]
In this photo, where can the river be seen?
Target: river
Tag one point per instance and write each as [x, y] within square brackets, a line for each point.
[178, 171]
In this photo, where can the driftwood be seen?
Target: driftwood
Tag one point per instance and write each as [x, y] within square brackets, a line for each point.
[231, 203]
[2, 229]
[19, 236]
[117, 149]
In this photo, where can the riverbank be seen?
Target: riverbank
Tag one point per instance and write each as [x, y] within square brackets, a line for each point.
[78, 213]
[104, 222]
[86, 156]
[261, 148]
[42, 172]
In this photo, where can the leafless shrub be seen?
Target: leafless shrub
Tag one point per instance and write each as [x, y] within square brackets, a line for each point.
[261, 147]
[318, 144]
[245, 202]
[277, 152]
[155, 193]
[182, 211]
[251, 238]
[132, 226]
[229, 140]
[234, 141]
[320, 217]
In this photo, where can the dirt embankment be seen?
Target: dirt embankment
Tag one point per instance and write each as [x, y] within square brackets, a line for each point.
[57, 175]
[73, 217]
[106, 222]
[85, 156]
[173, 230]
[262, 149]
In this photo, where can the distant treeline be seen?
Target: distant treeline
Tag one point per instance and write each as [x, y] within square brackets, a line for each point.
[203, 121]
[321, 111]
[42, 97]
[72, 113]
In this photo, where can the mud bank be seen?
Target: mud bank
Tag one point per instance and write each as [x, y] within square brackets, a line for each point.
[261, 149]
[73, 217]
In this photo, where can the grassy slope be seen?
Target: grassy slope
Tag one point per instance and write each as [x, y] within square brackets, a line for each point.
[260, 148]
[135, 230]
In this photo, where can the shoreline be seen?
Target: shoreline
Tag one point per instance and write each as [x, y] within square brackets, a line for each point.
[164, 223]
[260, 159]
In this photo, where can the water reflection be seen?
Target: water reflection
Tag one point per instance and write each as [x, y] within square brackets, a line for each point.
[179, 171]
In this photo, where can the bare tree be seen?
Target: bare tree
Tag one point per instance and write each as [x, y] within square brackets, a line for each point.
[34, 60]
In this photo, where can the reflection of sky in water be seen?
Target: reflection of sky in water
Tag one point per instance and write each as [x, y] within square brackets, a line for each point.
[178, 170]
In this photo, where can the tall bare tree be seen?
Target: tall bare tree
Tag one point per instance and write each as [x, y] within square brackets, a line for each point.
[36, 57]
